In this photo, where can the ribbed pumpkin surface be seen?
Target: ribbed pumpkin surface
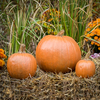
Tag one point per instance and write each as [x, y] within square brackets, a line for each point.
[85, 68]
[21, 65]
[57, 54]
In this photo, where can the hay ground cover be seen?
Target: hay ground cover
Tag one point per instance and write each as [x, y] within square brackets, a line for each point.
[50, 86]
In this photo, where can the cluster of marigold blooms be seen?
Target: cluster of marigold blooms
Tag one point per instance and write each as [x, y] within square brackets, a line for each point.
[93, 32]
[2, 56]
[51, 17]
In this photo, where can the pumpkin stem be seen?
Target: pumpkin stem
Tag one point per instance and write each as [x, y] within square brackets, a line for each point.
[60, 33]
[22, 48]
[88, 53]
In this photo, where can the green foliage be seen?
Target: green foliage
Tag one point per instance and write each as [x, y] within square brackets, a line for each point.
[30, 20]
[74, 15]
[21, 24]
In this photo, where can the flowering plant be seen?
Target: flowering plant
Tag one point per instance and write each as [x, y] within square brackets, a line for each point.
[96, 55]
[51, 21]
[2, 55]
[92, 33]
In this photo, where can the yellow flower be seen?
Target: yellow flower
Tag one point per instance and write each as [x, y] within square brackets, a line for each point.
[45, 24]
[49, 30]
[2, 63]
[55, 33]
[39, 22]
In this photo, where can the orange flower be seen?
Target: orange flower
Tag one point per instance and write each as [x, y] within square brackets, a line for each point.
[98, 44]
[1, 50]
[88, 35]
[88, 29]
[2, 55]
[90, 23]
[94, 26]
[92, 42]
[98, 34]
[99, 24]
[94, 22]
[49, 20]
[2, 63]
[91, 34]
[93, 31]
[95, 37]
[86, 39]
[98, 19]
[97, 31]
[85, 33]
[99, 39]
[98, 48]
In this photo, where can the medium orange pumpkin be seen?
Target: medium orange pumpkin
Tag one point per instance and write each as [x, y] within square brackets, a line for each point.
[57, 53]
[85, 68]
[21, 65]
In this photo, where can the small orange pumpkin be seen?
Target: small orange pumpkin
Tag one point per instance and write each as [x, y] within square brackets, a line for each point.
[57, 53]
[21, 65]
[85, 68]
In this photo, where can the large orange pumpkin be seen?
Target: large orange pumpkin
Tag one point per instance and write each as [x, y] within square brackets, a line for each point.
[21, 65]
[57, 53]
[85, 68]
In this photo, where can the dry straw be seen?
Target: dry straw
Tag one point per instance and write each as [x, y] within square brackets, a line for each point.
[49, 86]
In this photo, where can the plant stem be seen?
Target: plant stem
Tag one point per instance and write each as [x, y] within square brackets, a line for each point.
[22, 48]
[60, 33]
